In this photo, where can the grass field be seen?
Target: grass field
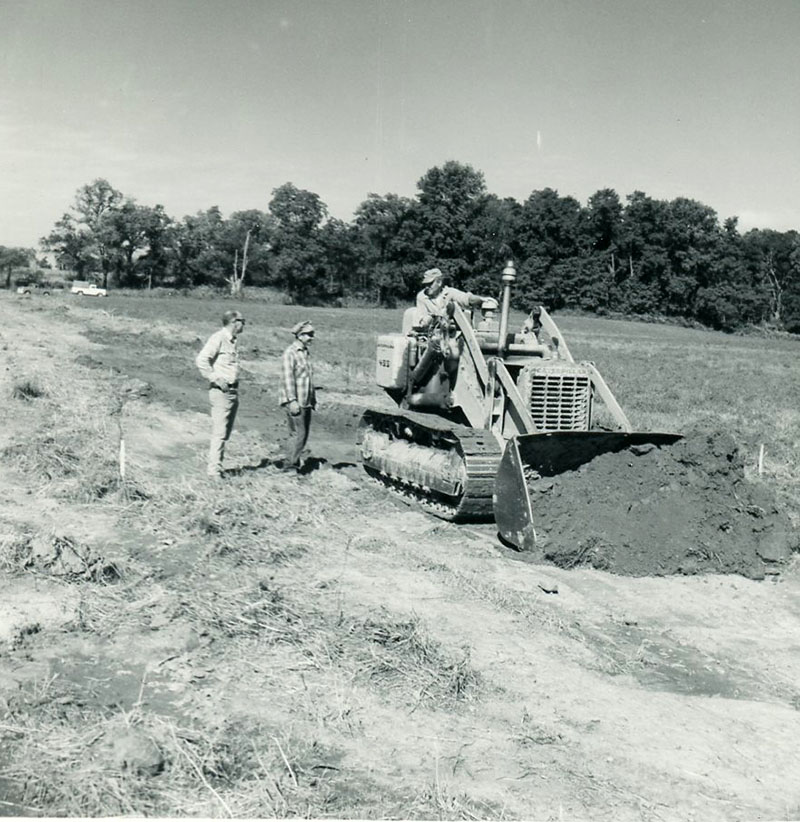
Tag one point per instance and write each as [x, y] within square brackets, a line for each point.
[665, 377]
[275, 647]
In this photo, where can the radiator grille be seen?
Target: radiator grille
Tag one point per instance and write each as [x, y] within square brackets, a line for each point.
[560, 402]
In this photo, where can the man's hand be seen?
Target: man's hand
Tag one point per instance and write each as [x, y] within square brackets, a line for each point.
[220, 383]
[294, 408]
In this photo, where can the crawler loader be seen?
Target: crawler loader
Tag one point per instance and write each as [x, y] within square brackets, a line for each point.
[482, 412]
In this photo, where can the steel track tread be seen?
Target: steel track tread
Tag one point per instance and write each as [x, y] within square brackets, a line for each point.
[477, 447]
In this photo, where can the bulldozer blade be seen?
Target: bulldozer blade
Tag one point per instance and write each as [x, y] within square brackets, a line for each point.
[512, 501]
[547, 455]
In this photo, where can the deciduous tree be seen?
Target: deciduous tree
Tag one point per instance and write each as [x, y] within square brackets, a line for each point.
[84, 239]
[93, 202]
[550, 237]
[492, 239]
[774, 260]
[447, 205]
[247, 234]
[640, 281]
[298, 260]
[389, 254]
[14, 257]
[72, 245]
[202, 257]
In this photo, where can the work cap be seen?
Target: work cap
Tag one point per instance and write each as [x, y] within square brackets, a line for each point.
[303, 327]
[430, 275]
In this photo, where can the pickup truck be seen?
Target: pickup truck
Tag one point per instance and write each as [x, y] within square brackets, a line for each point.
[87, 289]
[39, 288]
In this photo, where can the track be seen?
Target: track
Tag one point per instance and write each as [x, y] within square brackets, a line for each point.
[447, 468]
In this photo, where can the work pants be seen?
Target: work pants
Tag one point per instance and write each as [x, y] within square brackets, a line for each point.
[224, 405]
[299, 426]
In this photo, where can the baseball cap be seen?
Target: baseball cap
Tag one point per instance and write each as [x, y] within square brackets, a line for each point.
[430, 275]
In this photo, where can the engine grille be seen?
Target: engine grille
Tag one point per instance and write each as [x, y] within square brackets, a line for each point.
[560, 401]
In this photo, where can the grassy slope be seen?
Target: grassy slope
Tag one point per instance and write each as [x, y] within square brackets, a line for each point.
[310, 648]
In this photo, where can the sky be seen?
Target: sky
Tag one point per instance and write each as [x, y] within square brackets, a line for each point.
[196, 103]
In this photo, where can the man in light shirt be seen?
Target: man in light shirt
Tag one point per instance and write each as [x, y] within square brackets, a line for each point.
[297, 393]
[218, 362]
[433, 299]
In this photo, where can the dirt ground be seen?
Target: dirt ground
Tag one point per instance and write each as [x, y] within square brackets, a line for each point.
[649, 511]
[596, 695]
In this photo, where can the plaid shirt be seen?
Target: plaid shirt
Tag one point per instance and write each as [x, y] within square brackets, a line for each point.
[297, 379]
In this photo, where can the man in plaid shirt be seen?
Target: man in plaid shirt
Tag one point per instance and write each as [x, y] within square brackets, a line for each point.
[297, 393]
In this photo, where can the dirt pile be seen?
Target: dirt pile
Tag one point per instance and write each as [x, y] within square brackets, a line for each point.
[648, 511]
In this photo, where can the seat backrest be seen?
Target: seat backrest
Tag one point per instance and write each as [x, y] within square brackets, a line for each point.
[409, 319]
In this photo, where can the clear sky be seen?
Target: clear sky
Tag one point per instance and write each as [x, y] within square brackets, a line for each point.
[194, 103]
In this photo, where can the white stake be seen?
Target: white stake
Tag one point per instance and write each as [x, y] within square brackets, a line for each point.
[761, 460]
[122, 458]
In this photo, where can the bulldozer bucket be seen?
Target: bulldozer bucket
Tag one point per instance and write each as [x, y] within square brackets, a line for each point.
[546, 455]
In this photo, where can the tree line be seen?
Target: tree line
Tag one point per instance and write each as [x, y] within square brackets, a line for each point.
[640, 256]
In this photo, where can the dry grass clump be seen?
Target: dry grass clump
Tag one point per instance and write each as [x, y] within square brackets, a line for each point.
[266, 549]
[108, 485]
[262, 611]
[56, 555]
[234, 523]
[251, 521]
[26, 548]
[15, 549]
[532, 733]
[399, 654]
[44, 456]
[77, 463]
[204, 509]
[70, 442]
[107, 610]
[65, 760]
[62, 759]
[27, 389]
[73, 458]
[439, 801]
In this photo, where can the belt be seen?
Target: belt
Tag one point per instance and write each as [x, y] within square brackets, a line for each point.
[232, 386]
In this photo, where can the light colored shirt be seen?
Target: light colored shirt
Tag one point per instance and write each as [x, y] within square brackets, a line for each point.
[436, 306]
[297, 379]
[219, 357]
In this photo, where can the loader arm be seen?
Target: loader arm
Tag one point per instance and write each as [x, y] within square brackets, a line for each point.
[601, 387]
[555, 335]
[476, 372]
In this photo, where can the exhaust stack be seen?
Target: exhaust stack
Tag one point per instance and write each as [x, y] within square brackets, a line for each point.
[509, 275]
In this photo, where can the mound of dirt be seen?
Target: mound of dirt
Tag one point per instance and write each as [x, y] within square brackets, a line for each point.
[649, 511]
